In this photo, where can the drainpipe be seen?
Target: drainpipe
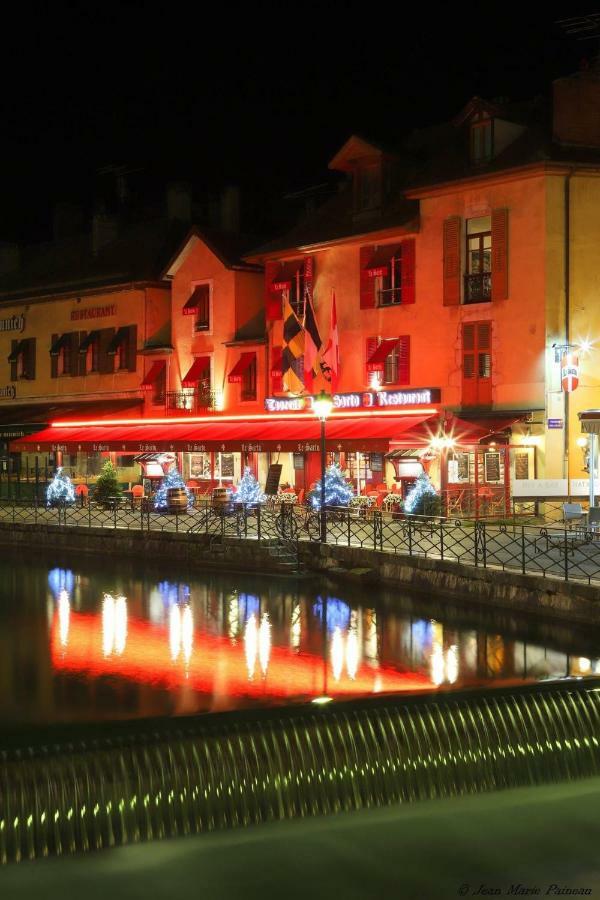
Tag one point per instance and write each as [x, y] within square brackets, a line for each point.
[567, 287]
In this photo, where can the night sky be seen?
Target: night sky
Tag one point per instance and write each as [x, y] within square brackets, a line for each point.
[262, 97]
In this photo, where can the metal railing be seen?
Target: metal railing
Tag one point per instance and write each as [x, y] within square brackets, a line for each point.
[567, 553]
[478, 287]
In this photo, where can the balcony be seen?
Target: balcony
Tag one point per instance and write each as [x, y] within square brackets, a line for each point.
[191, 402]
[478, 288]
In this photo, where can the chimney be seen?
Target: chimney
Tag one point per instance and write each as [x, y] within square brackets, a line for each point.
[67, 220]
[179, 203]
[105, 230]
[230, 209]
[10, 258]
[576, 109]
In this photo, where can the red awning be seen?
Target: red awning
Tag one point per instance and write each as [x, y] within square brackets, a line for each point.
[379, 264]
[156, 369]
[376, 361]
[199, 295]
[243, 363]
[199, 367]
[299, 434]
[284, 276]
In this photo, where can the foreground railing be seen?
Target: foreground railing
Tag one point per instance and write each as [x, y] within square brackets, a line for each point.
[571, 554]
[143, 782]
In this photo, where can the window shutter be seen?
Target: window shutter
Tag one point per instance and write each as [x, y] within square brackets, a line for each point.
[273, 305]
[469, 391]
[408, 271]
[499, 254]
[14, 371]
[131, 348]
[53, 359]
[484, 363]
[452, 266]
[106, 362]
[367, 284]
[81, 358]
[30, 365]
[403, 350]
[371, 345]
[74, 349]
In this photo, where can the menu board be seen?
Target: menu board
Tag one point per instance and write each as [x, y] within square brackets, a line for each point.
[226, 465]
[273, 476]
[522, 466]
[377, 462]
[492, 466]
[462, 460]
[298, 460]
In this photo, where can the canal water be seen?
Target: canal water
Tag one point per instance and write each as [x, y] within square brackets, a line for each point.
[95, 641]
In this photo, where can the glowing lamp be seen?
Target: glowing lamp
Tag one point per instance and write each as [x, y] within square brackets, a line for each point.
[582, 442]
[322, 405]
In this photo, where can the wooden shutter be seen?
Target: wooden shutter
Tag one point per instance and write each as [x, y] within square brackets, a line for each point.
[452, 267]
[30, 358]
[408, 271]
[131, 348]
[469, 379]
[14, 365]
[367, 284]
[106, 362]
[484, 363]
[54, 359]
[499, 254]
[273, 304]
[403, 350]
[81, 361]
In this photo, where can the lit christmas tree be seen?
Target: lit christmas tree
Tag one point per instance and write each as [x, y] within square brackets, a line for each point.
[249, 489]
[172, 479]
[107, 485]
[422, 499]
[337, 490]
[60, 490]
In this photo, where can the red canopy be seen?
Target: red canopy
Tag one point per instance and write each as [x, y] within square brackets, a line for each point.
[298, 434]
[377, 359]
[199, 366]
[243, 363]
[154, 372]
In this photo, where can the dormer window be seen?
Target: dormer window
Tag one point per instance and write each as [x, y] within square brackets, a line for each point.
[367, 187]
[481, 141]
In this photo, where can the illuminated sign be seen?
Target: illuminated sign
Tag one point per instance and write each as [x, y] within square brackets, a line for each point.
[569, 372]
[362, 400]
[13, 323]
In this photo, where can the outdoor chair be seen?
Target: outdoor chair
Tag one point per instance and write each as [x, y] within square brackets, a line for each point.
[573, 514]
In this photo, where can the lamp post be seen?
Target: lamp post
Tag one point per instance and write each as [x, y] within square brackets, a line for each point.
[322, 406]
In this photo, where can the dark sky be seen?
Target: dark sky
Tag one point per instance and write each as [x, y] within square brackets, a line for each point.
[262, 95]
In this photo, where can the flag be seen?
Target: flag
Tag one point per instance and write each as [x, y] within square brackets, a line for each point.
[330, 358]
[312, 341]
[293, 348]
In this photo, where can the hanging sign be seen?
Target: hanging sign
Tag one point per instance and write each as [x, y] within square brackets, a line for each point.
[569, 372]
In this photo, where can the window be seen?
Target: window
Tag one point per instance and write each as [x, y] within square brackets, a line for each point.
[22, 359]
[123, 346]
[477, 364]
[478, 278]
[202, 322]
[389, 289]
[388, 360]
[387, 274]
[367, 181]
[65, 358]
[297, 295]
[481, 141]
[249, 381]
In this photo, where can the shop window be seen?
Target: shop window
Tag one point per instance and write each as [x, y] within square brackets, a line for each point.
[22, 359]
[477, 364]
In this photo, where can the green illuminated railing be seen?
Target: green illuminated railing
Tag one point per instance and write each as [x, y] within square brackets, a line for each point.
[220, 772]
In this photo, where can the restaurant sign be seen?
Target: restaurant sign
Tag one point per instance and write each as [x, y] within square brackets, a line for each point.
[359, 400]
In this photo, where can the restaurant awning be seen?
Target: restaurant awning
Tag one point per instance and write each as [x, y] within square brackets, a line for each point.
[376, 361]
[155, 371]
[199, 367]
[59, 343]
[88, 340]
[379, 264]
[14, 354]
[199, 295]
[243, 363]
[119, 338]
[298, 434]
[589, 419]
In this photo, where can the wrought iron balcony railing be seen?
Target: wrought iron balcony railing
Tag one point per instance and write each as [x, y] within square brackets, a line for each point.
[478, 288]
[192, 402]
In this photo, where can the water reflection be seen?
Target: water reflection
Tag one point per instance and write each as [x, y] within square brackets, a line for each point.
[119, 644]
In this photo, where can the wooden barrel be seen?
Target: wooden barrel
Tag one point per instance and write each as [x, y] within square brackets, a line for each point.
[220, 497]
[177, 500]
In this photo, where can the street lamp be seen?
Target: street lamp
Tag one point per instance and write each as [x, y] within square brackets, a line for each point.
[322, 406]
